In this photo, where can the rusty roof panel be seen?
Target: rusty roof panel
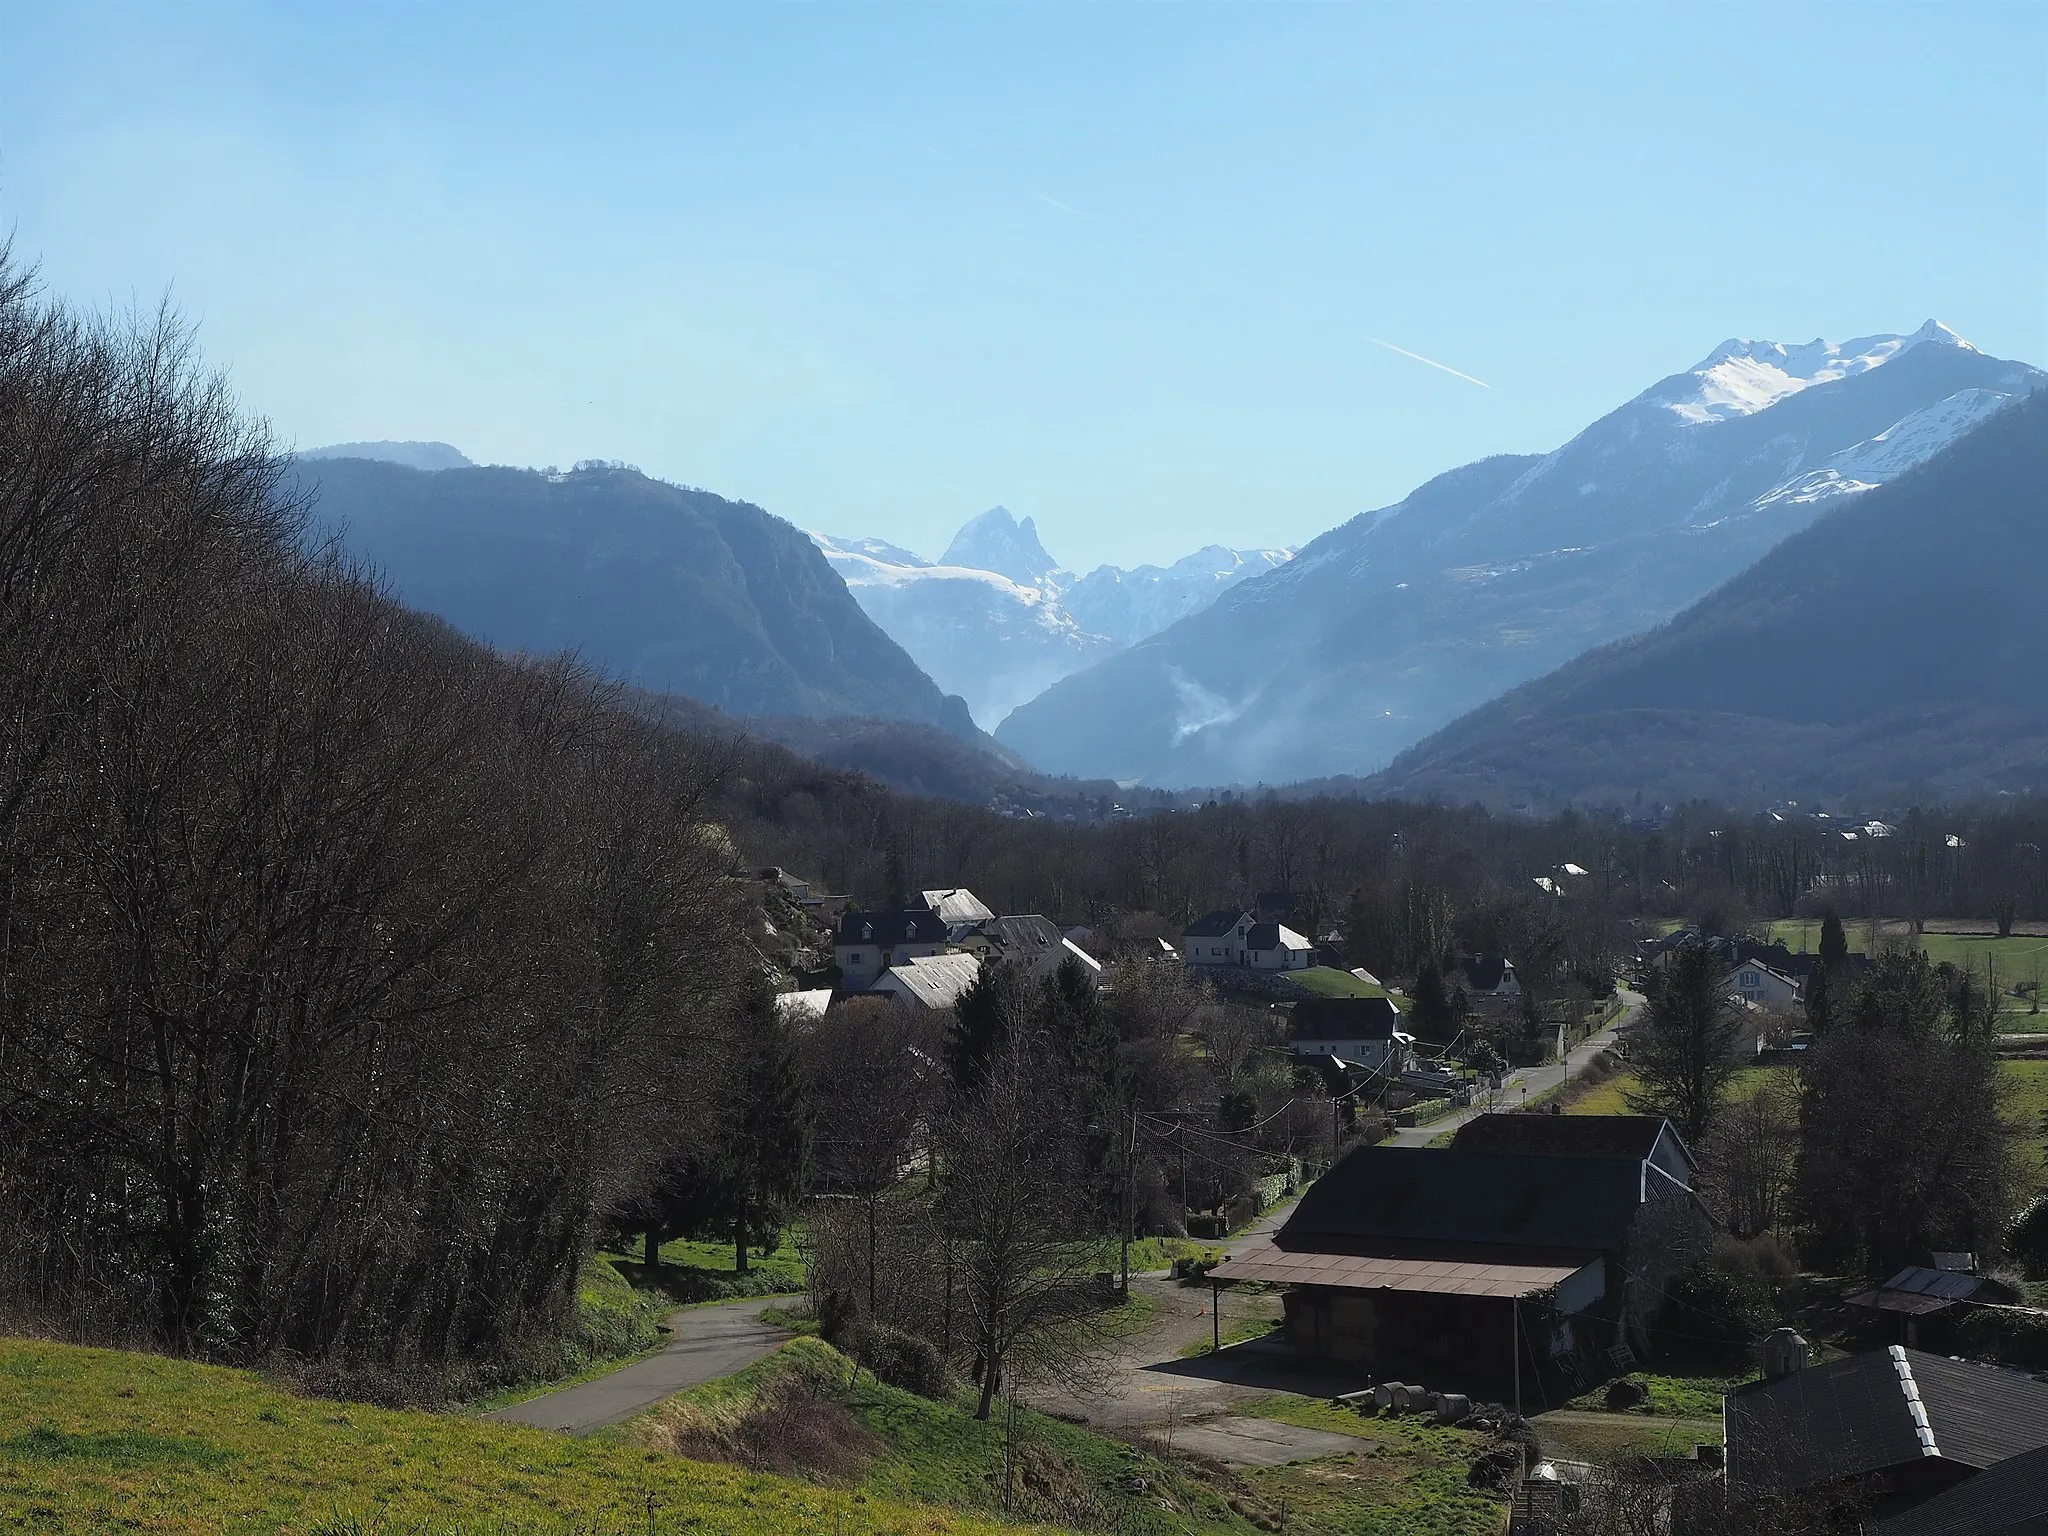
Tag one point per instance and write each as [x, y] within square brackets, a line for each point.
[1355, 1272]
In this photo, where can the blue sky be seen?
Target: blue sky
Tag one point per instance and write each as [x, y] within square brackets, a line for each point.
[1123, 269]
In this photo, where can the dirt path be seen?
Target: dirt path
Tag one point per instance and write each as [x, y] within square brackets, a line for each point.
[704, 1343]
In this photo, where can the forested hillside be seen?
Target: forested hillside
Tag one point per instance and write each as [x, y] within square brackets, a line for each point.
[348, 970]
[1892, 652]
[671, 589]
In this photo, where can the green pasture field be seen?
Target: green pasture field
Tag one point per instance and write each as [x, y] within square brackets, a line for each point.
[1328, 981]
[96, 1440]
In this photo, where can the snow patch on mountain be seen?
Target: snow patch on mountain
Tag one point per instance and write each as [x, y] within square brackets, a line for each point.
[1907, 442]
[1129, 606]
[1741, 377]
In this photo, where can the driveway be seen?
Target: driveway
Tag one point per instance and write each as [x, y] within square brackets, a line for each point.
[704, 1343]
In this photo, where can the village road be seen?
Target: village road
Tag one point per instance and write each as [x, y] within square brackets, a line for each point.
[1521, 1086]
[705, 1343]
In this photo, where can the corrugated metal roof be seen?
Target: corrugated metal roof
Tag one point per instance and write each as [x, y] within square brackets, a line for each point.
[1858, 1415]
[1561, 1135]
[2010, 1499]
[1451, 1195]
[934, 980]
[1361, 1273]
[1917, 1290]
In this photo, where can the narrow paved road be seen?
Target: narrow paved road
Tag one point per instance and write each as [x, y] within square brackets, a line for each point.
[1525, 1083]
[705, 1343]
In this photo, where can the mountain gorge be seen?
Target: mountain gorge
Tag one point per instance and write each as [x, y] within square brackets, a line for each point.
[1891, 652]
[671, 590]
[1402, 619]
[997, 620]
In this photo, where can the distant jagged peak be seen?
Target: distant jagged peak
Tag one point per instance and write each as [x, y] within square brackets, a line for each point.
[1741, 377]
[412, 455]
[997, 541]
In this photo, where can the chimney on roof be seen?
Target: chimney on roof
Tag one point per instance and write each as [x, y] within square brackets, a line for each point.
[1784, 1352]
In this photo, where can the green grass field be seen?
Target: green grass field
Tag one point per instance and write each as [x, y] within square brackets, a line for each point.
[96, 1440]
[695, 1271]
[2022, 958]
[1328, 981]
[1611, 1097]
[1407, 1477]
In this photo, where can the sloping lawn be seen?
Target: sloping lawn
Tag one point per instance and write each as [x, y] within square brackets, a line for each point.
[1328, 981]
[939, 1453]
[94, 1440]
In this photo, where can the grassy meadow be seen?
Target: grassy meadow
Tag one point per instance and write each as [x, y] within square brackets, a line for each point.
[94, 1440]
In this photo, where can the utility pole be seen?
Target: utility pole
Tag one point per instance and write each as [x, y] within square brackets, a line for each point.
[1130, 1197]
[1181, 1131]
[1515, 1335]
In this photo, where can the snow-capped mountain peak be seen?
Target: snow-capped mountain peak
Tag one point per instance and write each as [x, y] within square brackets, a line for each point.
[996, 541]
[1741, 377]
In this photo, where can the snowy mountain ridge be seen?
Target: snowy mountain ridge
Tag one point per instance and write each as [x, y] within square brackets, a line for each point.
[1741, 377]
[999, 620]
[1495, 572]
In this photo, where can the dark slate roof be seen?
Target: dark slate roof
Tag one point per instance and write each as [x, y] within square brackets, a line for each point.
[2009, 1499]
[1345, 1018]
[1213, 925]
[914, 927]
[1561, 1135]
[1399, 1193]
[1022, 939]
[1264, 936]
[1483, 972]
[1855, 1416]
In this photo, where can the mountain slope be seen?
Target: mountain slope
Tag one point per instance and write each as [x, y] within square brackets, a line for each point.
[672, 590]
[1129, 606]
[1402, 619]
[997, 621]
[412, 455]
[1891, 652]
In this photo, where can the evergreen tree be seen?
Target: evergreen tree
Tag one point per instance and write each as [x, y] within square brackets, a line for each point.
[1433, 1019]
[765, 1156]
[1684, 1052]
[1820, 999]
[994, 1008]
[1834, 944]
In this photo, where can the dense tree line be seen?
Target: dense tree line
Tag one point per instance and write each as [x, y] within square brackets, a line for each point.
[346, 971]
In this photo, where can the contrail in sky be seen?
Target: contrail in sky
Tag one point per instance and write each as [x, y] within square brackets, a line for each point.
[1063, 208]
[1446, 367]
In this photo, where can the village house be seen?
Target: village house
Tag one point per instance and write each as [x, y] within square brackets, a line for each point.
[932, 982]
[865, 944]
[1030, 943]
[1894, 1425]
[1217, 938]
[1276, 947]
[1489, 982]
[1761, 987]
[1362, 1031]
[1540, 1247]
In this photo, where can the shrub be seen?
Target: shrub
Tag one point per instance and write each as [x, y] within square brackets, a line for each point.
[2027, 1240]
[2005, 1337]
[901, 1359]
[1716, 1310]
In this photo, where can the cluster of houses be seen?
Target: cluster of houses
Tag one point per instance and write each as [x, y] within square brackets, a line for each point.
[927, 955]
[1769, 977]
